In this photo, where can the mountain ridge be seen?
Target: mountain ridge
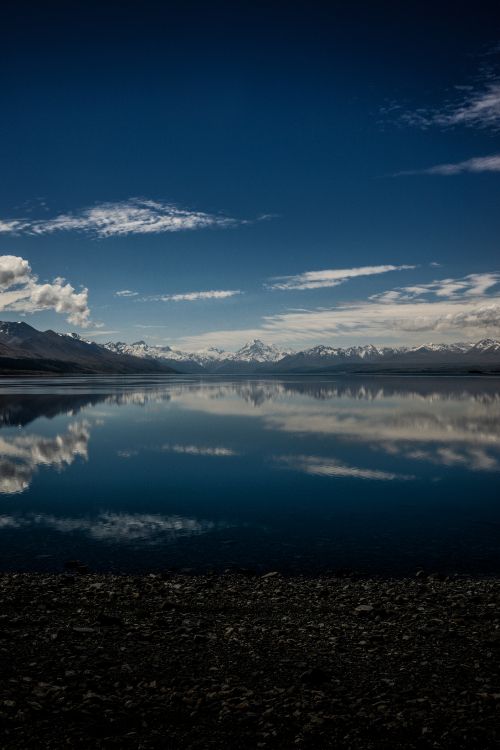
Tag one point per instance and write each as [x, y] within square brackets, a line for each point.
[264, 357]
[25, 349]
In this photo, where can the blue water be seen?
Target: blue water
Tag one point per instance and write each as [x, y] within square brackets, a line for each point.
[301, 474]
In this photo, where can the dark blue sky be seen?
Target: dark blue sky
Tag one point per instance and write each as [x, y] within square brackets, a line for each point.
[279, 131]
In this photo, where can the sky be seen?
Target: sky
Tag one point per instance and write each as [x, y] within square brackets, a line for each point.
[204, 173]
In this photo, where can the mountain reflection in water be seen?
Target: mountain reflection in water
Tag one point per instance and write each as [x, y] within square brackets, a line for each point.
[301, 472]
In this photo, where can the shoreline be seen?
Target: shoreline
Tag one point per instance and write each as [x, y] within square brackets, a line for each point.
[203, 661]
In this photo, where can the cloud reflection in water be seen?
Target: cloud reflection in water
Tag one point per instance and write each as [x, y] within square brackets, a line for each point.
[20, 456]
[115, 527]
[329, 467]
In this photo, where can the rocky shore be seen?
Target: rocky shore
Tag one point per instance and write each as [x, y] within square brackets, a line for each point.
[242, 661]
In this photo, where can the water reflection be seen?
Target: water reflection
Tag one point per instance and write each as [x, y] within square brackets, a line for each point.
[115, 527]
[447, 422]
[217, 451]
[459, 423]
[294, 471]
[329, 467]
[21, 455]
[19, 410]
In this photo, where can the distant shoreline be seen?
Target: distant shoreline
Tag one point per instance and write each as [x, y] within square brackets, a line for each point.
[368, 372]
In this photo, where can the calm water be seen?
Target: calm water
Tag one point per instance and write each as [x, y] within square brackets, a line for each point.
[300, 474]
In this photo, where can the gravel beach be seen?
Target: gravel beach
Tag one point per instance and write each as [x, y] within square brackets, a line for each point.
[246, 661]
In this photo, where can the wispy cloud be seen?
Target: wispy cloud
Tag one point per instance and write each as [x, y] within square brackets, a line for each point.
[101, 332]
[473, 285]
[20, 291]
[448, 306]
[195, 296]
[181, 297]
[10, 227]
[474, 105]
[478, 108]
[329, 277]
[135, 216]
[476, 165]
[126, 293]
[374, 321]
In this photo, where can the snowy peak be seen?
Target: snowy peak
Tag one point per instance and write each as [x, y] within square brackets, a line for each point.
[255, 351]
[256, 355]
[487, 345]
[258, 351]
[141, 349]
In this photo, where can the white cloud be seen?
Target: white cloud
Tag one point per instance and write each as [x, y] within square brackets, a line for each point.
[476, 106]
[11, 226]
[329, 277]
[20, 291]
[449, 307]
[479, 108]
[373, 319]
[194, 296]
[135, 216]
[473, 285]
[13, 270]
[478, 164]
[62, 298]
[188, 297]
[126, 293]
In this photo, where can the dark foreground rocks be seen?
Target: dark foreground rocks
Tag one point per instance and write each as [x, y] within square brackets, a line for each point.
[94, 661]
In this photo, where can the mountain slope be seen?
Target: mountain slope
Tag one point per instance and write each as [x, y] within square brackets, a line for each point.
[23, 349]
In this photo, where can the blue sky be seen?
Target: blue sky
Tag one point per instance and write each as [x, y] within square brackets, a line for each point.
[201, 174]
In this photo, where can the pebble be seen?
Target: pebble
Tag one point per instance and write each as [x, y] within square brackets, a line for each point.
[204, 662]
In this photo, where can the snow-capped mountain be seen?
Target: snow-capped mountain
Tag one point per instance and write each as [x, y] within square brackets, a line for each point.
[489, 346]
[188, 361]
[425, 356]
[253, 353]
[258, 351]
[257, 356]
[24, 349]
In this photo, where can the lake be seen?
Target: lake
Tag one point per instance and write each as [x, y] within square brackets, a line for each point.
[300, 474]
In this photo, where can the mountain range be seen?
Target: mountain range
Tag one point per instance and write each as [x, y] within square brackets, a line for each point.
[24, 350]
[256, 356]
